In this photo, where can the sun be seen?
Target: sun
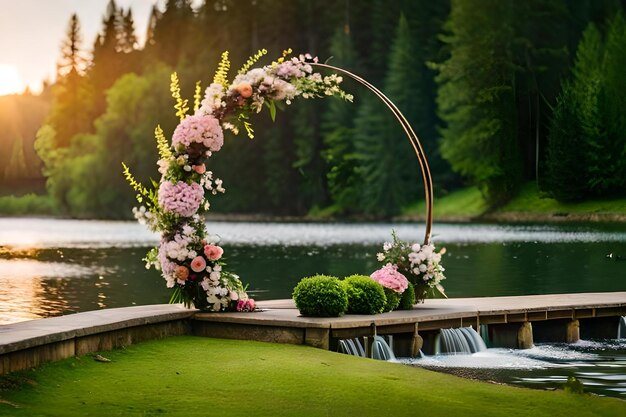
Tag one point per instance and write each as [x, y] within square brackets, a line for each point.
[10, 81]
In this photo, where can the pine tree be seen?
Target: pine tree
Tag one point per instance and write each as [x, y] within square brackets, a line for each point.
[72, 63]
[338, 133]
[70, 114]
[170, 31]
[587, 144]
[127, 38]
[607, 162]
[388, 165]
[542, 59]
[476, 97]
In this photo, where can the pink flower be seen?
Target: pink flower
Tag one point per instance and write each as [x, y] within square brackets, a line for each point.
[200, 169]
[180, 198]
[181, 273]
[245, 90]
[389, 277]
[205, 130]
[198, 264]
[213, 253]
[246, 305]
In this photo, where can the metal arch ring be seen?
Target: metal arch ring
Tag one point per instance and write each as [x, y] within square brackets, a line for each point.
[417, 146]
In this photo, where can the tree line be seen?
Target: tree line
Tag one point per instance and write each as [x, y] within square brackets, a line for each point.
[499, 92]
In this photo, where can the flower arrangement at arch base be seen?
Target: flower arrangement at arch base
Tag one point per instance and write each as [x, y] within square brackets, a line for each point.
[418, 264]
[189, 257]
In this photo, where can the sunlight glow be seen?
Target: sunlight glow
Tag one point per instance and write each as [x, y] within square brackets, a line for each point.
[10, 81]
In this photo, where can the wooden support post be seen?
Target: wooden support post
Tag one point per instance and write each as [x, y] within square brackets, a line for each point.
[416, 344]
[512, 335]
[525, 336]
[573, 331]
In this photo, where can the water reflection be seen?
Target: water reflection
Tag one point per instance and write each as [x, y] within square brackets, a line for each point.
[85, 265]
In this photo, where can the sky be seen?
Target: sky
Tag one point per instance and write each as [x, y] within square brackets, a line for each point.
[31, 33]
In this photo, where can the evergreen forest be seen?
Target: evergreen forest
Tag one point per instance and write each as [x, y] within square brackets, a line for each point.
[500, 92]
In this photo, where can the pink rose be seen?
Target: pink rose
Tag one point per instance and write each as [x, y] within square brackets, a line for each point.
[245, 90]
[200, 169]
[213, 253]
[181, 273]
[198, 264]
[246, 305]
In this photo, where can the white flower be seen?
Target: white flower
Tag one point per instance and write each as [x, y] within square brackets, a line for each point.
[415, 247]
[387, 246]
[380, 256]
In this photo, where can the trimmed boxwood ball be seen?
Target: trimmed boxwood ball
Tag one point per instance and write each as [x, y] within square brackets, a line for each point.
[393, 300]
[407, 300]
[365, 296]
[320, 296]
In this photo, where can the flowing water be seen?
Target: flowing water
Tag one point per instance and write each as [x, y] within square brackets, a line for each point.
[52, 267]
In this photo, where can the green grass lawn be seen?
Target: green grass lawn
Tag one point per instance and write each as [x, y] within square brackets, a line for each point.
[193, 376]
[468, 203]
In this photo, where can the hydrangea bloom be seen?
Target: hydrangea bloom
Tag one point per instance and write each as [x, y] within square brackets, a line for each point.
[203, 129]
[389, 277]
[180, 198]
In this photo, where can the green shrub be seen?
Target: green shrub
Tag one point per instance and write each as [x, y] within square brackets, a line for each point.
[320, 296]
[393, 300]
[365, 296]
[407, 300]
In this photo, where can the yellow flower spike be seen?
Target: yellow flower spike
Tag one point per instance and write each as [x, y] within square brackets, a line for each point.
[197, 97]
[252, 60]
[221, 75]
[286, 53]
[181, 105]
[143, 191]
[162, 144]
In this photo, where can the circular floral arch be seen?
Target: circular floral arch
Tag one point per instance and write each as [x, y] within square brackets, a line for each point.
[189, 257]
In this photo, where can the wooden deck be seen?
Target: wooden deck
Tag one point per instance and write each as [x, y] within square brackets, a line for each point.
[280, 321]
[511, 321]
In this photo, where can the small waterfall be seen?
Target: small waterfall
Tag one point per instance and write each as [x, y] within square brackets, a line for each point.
[351, 347]
[621, 328]
[462, 340]
[380, 349]
[483, 330]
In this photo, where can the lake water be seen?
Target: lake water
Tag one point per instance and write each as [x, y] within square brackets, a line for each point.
[53, 267]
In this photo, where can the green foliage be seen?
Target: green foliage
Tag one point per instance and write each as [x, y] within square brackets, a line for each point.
[337, 128]
[476, 97]
[500, 66]
[407, 300]
[320, 296]
[574, 386]
[29, 204]
[587, 146]
[393, 300]
[365, 296]
[387, 164]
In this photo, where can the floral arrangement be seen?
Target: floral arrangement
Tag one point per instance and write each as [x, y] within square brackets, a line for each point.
[420, 264]
[389, 277]
[188, 256]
